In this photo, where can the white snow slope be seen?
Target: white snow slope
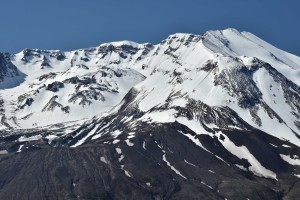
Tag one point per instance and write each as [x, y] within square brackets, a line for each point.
[180, 68]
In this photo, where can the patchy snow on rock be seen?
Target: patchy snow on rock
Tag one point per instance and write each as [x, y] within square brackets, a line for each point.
[128, 119]
[196, 141]
[297, 175]
[119, 151]
[190, 163]
[241, 167]
[243, 152]
[273, 145]
[194, 125]
[32, 138]
[172, 167]
[81, 141]
[121, 158]
[131, 135]
[116, 133]
[51, 138]
[159, 117]
[207, 185]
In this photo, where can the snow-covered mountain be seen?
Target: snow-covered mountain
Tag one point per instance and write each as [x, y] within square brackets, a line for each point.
[69, 86]
[218, 112]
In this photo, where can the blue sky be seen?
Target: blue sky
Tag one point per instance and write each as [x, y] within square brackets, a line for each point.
[73, 24]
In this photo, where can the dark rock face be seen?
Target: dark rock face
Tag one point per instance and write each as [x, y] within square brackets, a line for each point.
[85, 59]
[52, 104]
[90, 88]
[84, 81]
[210, 66]
[29, 54]
[238, 82]
[54, 87]
[28, 102]
[81, 66]
[58, 55]
[66, 109]
[51, 75]
[85, 96]
[7, 69]
[45, 63]
[124, 50]
[290, 89]
[10, 76]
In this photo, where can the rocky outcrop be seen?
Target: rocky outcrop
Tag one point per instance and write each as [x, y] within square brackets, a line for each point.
[7, 69]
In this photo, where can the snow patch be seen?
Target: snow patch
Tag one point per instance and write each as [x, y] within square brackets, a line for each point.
[190, 163]
[243, 152]
[20, 148]
[51, 138]
[172, 167]
[32, 138]
[103, 160]
[129, 143]
[118, 150]
[127, 173]
[206, 185]
[286, 146]
[3, 152]
[116, 141]
[288, 159]
[159, 116]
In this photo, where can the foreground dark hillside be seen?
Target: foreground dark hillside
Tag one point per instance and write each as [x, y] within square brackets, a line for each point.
[167, 166]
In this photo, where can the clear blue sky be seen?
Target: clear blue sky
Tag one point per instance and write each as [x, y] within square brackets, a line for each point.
[73, 24]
